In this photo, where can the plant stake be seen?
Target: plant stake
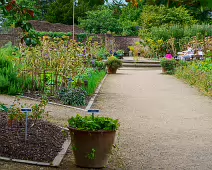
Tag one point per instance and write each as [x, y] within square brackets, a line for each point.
[26, 111]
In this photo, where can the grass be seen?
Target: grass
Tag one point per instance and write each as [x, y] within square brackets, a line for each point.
[94, 80]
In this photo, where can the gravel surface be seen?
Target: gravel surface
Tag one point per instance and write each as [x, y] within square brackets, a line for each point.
[165, 124]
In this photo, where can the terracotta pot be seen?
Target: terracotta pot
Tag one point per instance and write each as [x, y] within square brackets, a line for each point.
[164, 70]
[91, 149]
[111, 71]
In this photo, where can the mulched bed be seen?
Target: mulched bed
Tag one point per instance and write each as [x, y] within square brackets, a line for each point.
[44, 142]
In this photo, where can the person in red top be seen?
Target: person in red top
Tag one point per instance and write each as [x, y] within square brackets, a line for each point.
[169, 55]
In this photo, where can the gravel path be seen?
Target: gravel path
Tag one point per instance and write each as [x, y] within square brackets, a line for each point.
[165, 124]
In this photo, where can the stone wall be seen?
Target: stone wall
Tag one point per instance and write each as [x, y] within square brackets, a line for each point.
[5, 38]
[115, 43]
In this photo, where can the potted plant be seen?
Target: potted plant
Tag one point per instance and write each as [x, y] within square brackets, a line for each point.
[113, 64]
[168, 66]
[92, 139]
[120, 54]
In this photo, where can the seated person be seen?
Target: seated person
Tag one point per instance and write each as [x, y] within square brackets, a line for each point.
[187, 55]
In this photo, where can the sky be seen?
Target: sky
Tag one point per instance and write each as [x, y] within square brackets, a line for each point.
[112, 0]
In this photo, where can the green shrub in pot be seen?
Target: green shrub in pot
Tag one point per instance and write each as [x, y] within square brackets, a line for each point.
[168, 66]
[113, 64]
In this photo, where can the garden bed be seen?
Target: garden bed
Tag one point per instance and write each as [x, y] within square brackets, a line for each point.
[43, 144]
[53, 99]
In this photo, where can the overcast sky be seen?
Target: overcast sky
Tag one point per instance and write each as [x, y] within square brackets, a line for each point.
[112, 0]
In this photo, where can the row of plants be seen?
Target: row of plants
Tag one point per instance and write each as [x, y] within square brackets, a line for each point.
[196, 73]
[62, 69]
[50, 34]
[50, 67]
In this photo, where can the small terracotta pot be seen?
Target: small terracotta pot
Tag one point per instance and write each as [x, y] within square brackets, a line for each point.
[164, 70]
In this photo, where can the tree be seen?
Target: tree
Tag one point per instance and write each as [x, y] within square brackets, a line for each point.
[158, 15]
[129, 20]
[100, 21]
[197, 8]
[61, 11]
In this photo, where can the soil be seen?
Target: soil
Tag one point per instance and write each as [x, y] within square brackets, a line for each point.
[44, 140]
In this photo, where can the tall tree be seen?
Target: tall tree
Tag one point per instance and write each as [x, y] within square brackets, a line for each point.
[198, 8]
[61, 11]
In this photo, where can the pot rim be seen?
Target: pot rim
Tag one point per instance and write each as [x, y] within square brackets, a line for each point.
[89, 131]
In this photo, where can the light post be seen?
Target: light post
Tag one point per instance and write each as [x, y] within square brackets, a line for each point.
[73, 17]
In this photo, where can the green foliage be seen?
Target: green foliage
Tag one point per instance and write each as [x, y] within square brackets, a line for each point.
[10, 82]
[50, 34]
[91, 155]
[103, 53]
[15, 113]
[61, 11]
[74, 96]
[168, 65]
[198, 74]
[159, 15]
[100, 21]
[129, 20]
[81, 37]
[175, 37]
[94, 78]
[197, 8]
[89, 123]
[113, 63]
[100, 65]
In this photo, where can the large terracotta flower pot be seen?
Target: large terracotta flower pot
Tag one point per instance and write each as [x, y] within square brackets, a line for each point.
[91, 148]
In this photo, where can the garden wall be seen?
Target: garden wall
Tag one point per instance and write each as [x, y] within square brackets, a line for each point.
[113, 43]
[5, 38]
[122, 42]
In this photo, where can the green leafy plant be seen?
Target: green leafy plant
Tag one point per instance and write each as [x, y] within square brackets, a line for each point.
[74, 97]
[16, 115]
[89, 123]
[91, 155]
[113, 63]
[10, 81]
[168, 65]
[120, 52]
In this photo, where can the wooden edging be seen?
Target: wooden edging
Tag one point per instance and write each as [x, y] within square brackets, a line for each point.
[90, 103]
[56, 162]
